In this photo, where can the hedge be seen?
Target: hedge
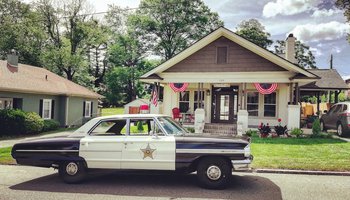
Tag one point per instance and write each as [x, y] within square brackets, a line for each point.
[18, 122]
[50, 125]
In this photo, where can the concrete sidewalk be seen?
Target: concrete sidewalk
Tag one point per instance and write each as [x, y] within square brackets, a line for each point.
[11, 142]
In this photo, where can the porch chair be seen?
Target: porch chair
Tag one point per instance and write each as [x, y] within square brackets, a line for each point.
[177, 114]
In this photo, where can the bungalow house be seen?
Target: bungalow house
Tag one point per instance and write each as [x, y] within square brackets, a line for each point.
[36, 89]
[226, 79]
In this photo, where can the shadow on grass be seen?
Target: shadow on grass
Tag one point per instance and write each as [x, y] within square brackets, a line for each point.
[296, 141]
[157, 185]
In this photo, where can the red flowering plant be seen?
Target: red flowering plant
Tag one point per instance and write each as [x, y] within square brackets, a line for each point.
[264, 129]
[280, 130]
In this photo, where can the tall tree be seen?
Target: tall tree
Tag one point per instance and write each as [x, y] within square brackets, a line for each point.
[255, 32]
[169, 26]
[345, 6]
[21, 29]
[303, 54]
[66, 28]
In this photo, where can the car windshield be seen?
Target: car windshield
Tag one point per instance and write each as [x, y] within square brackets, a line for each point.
[172, 127]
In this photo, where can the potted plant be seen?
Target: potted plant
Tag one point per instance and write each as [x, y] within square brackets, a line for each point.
[280, 130]
[264, 130]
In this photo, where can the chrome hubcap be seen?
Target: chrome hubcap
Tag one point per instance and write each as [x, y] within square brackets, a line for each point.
[213, 172]
[72, 168]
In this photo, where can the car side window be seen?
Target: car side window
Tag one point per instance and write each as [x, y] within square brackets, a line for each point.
[337, 109]
[144, 127]
[332, 109]
[345, 107]
[110, 128]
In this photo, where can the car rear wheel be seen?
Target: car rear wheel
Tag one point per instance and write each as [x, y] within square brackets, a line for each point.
[214, 173]
[323, 127]
[72, 172]
[340, 130]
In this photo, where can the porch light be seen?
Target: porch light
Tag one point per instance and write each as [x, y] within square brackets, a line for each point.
[207, 92]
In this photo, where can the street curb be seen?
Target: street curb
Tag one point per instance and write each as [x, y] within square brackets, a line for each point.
[306, 172]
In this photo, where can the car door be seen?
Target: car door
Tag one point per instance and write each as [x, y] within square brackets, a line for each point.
[102, 147]
[333, 116]
[147, 147]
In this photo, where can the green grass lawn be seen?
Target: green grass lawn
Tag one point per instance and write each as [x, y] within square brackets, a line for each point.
[112, 111]
[5, 156]
[303, 153]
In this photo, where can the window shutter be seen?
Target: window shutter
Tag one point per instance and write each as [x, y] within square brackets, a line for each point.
[83, 108]
[52, 109]
[91, 108]
[41, 108]
[17, 103]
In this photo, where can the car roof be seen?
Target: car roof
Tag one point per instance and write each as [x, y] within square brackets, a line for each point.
[121, 116]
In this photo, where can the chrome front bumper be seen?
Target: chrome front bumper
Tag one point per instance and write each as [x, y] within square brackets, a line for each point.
[242, 165]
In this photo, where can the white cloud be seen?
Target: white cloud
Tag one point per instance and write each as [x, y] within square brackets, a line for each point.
[317, 32]
[325, 13]
[288, 7]
[316, 52]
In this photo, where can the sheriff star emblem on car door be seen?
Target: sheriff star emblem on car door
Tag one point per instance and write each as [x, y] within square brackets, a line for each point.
[148, 151]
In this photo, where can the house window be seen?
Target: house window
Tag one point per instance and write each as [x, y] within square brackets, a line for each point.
[221, 55]
[87, 109]
[270, 105]
[196, 98]
[6, 103]
[260, 105]
[184, 103]
[253, 103]
[46, 109]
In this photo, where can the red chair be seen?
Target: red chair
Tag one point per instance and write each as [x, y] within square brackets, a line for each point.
[177, 114]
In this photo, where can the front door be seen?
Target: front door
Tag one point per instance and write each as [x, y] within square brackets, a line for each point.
[224, 104]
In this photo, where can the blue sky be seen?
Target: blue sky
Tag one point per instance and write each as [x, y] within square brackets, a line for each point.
[317, 23]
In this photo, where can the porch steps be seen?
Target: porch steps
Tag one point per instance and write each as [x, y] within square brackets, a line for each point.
[220, 129]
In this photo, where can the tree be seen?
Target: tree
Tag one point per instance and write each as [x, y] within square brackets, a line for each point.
[344, 5]
[255, 32]
[21, 29]
[127, 55]
[120, 89]
[65, 25]
[303, 55]
[169, 26]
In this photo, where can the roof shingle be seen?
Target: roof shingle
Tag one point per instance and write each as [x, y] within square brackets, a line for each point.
[31, 79]
[329, 79]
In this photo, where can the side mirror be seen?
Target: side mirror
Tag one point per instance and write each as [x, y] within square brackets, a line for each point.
[325, 111]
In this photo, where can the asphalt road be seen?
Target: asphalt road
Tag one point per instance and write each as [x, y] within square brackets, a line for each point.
[19, 182]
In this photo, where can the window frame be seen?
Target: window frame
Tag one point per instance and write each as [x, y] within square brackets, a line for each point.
[254, 103]
[188, 101]
[7, 100]
[43, 108]
[270, 104]
[89, 113]
[261, 105]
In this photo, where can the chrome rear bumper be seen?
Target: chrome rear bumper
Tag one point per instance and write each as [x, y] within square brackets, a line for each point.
[242, 164]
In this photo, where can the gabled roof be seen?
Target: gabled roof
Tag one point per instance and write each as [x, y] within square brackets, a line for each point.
[223, 32]
[31, 79]
[329, 80]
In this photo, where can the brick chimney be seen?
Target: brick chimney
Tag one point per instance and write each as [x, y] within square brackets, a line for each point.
[12, 59]
[290, 48]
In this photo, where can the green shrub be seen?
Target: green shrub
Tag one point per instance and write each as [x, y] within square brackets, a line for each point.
[33, 123]
[297, 132]
[140, 126]
[316, 127]
[12, 122]
[18, 122]
[251, 132]
[190, 129]
[50, 125]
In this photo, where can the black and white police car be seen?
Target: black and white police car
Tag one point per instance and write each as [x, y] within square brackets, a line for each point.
[139, 142]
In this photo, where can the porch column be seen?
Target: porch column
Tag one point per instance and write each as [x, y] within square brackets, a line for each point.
[199, 113]
[318, 103]
[336, 96]
[242, 114]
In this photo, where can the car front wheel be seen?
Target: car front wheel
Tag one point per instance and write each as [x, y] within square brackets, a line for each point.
[214, 173]
[72, 172]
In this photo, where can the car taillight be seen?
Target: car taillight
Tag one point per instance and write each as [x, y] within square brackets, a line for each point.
[345, 114]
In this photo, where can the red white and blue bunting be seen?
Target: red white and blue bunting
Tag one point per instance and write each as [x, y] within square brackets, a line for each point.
[265, 88]
[179, 87]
